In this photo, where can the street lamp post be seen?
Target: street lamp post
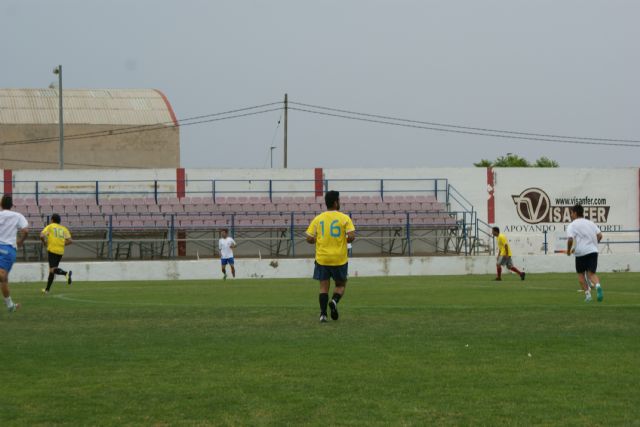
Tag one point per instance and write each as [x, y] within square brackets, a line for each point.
[58, 71]
[271, 154]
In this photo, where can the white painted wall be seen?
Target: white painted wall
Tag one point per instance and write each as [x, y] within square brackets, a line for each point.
[618, 186]
[303, 268]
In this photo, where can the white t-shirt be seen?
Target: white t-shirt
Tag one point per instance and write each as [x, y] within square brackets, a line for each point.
[584, 234]
[10, 223]
[225, 247]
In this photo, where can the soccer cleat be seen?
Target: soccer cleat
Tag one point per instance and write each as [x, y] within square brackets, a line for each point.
[334, 309]
[522, 275]
[69, 281]
[498, 279]
[599, 293]
[323, 318]
[587, 298]
[224, 276]
[13, 308]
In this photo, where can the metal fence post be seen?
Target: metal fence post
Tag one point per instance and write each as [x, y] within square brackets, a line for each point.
[110, 237]
[233, 226]
[270, 190]
[37, 194]
[172, 240]
[382, 189]
[213, 189]
[97, 192]
[155, 191]
[544, 245]
[408, 228]
[293, 242]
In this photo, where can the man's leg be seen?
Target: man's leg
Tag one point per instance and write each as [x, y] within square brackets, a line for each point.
[338, 292]
[498, 272]
[518, 272]
[585, 287]
[233, 270]
[593, 278]
[323, 299]
[4, 286]
[224, 269]
[52, 271]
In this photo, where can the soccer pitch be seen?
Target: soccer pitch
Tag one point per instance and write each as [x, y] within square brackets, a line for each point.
[406, 351]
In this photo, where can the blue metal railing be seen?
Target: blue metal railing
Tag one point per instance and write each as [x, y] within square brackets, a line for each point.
[213, 188]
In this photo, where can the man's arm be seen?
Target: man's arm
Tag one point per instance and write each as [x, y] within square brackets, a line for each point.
[22, 234]
[569, 245]
[599, 236]
[43, 238]
[68, 241]
[351, 236]
[311, 239]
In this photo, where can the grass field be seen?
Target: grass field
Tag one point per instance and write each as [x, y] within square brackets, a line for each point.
[406, 351]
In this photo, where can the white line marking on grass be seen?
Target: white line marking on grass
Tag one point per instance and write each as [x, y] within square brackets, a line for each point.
[354, 307]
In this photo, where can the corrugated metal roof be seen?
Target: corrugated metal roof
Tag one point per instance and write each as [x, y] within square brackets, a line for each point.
[85, 106]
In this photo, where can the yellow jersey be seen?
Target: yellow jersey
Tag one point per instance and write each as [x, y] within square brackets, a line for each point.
[503, 245]
[56, 234]
[330, 229]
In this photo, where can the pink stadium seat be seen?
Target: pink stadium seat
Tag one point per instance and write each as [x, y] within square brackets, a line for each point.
[82, 209]
[118, 209]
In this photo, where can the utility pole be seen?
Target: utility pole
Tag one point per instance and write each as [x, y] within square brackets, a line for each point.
[286, 113]
[58, 71]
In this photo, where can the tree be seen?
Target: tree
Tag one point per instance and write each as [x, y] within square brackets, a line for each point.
[515, 161]
[544, 162]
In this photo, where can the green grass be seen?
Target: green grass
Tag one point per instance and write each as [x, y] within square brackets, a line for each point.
[406, 351]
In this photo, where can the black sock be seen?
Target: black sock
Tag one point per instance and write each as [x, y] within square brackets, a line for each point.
[59, 271]
[50, 281]
[336, 297]
[324, 300]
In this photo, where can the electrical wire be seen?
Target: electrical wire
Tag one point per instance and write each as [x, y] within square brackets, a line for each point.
[445, 125]
[466, 132]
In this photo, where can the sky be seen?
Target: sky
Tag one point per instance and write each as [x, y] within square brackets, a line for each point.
[553, 67]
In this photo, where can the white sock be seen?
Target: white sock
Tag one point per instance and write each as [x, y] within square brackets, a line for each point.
[597, 285]
[8, 301]
[587, 293]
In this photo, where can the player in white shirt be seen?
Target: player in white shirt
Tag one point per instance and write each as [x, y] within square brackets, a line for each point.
[583, 238]
[226, 245]
[11, 224]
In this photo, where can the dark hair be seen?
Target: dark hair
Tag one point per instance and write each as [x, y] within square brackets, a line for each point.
[55, 218]
[7, 202]
[578, 209]
[330, 198]
[496, 229]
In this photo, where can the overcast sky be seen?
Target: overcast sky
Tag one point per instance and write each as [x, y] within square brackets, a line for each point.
[540, 66]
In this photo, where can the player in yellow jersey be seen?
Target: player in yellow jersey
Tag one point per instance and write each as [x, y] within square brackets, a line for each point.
[504, 255]
[330, 232]
[55, 237]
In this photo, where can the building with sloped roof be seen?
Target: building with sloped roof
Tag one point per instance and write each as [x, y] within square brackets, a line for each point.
[103, 128]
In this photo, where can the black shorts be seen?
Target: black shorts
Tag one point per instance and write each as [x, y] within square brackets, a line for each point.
[54, 259]
[325, 272]
[587, 262]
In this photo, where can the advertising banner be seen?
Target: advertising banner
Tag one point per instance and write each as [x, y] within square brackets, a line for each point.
[532, 205]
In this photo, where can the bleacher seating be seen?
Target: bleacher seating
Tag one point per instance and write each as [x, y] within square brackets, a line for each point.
[134, 213]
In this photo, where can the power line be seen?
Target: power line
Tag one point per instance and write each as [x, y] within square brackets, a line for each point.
[72, 164]
[445, 125]
[146, 128]
[465, 132]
